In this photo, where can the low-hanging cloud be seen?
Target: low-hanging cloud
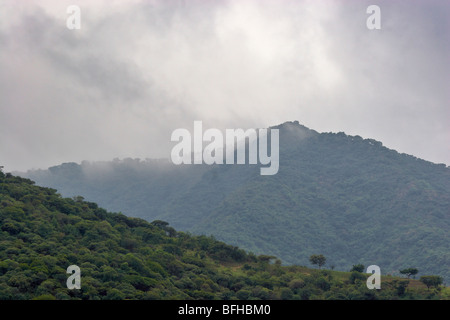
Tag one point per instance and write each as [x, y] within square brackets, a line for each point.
[137, 70]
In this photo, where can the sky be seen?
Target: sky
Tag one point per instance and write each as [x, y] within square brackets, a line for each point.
[137, 70]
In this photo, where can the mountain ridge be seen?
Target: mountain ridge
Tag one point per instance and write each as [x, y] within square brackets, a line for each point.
[43, 236]
[347, 197]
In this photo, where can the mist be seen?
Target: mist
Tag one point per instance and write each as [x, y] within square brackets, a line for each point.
[138, 70]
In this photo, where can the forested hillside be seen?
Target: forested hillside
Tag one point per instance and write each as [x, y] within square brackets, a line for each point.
[42, 233]
[350, 198]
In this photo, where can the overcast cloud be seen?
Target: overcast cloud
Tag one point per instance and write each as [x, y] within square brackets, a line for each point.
[137, 70]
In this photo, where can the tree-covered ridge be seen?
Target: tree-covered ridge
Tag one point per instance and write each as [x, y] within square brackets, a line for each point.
[350, 198]
[42, 234]
[120, 257]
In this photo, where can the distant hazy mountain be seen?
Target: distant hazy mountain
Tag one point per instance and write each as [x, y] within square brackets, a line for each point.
[348, 198]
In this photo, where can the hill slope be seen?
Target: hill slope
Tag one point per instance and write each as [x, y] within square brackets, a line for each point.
[349, 198]
[41, 234]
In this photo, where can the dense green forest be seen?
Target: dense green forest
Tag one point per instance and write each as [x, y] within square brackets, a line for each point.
[42, 233]
[350, 198]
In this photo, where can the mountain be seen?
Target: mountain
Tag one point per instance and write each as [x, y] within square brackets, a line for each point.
[349, 198]
[42, 234]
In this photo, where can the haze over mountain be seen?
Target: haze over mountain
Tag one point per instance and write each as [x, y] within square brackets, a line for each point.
[137, 70]
[346, 197]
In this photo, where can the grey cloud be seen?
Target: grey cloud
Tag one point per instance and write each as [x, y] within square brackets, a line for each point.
[134, 73]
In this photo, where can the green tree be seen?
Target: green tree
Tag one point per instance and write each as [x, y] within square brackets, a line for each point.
[45, 297]
[286, 294]
[431, 281]
[355, 276]
[243, 294]
[318, 259]
[357, 268]
[115, 294]
[409, 272]
[78, 199]
[401, 286]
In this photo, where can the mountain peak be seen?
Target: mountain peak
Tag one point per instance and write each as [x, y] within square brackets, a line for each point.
[332, 191]
[291, 125]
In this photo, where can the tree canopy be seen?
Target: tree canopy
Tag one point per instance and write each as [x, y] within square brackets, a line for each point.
[318, 259]
[409, 271]
[42, 234]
